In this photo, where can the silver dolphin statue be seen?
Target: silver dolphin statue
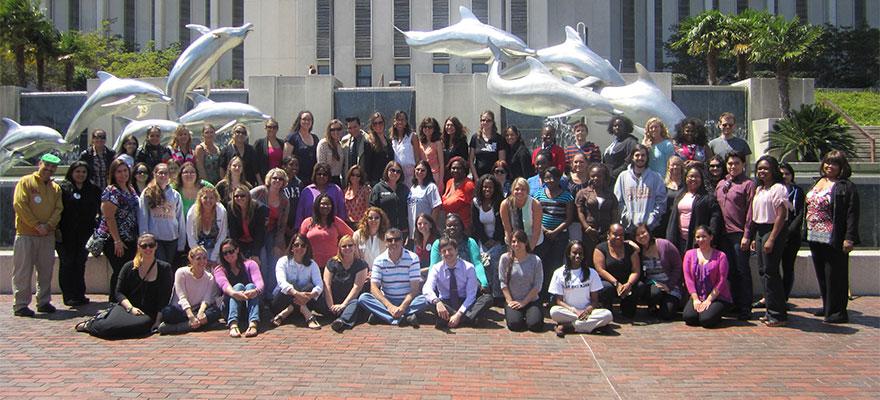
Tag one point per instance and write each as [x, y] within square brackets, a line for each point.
[194, 65]
[467, 38]
[539, 92]
[642, 100]
[572, 57]
[139, 130]
[222, 115]
[22, 142]
[113, 96]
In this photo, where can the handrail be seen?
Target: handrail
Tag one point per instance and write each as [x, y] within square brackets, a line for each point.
[852, 123]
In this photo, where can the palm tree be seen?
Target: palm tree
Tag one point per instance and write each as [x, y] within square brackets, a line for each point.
[706, 34]
[69, 43]
[742, 33]
[783, 43]
[44, 40]
[22, 22]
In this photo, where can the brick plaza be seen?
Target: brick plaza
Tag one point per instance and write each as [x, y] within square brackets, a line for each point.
[45, 358]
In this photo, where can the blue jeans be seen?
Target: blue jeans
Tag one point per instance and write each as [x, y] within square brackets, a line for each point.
[267, 264]
[492, 268]
[252, 305]
[173, 314]
[370, 303]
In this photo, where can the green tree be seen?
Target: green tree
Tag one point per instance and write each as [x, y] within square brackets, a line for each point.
[44, 42]
[782, 44]
[742, 28]
[70, 44]
[21, 21]
[850, 58]
[707, 35]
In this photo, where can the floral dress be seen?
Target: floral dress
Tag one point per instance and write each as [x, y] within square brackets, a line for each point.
[126, 203]
[820, 221]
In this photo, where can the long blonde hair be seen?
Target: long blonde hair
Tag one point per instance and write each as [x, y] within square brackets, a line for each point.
[197, 207]
[664, 132]
[139, 256]
[175, 145]
[343, 239]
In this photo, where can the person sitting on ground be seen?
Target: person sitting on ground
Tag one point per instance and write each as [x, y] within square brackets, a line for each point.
[299, 283]
[453, 288]
[661, 264]
[194, 301]
[344, 278]
[617, 263]
[521, 274]
[467, 250]
[705, 275]
[576, 288]
[394, 284]
[241, 282]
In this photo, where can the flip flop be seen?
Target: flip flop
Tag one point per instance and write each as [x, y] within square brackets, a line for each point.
[251, 331]
[234, 332]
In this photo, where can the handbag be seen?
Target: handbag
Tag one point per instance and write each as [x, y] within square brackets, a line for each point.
[95, 244]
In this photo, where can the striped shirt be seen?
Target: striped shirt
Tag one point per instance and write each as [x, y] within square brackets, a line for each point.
[394, 277]
[553, 208]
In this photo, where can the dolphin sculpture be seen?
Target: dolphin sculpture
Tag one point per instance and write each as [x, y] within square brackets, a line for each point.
[642, 100]
[539, 92]
[22, 142]
[113, 96]
[139, 130]
[573, 57]
[467, 38]
[222, 115]
[194, 64]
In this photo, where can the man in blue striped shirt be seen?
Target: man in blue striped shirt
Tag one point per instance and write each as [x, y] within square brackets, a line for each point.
[394, 291]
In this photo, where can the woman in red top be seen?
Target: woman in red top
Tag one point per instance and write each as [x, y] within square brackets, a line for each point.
[324, 229]
[459, 191]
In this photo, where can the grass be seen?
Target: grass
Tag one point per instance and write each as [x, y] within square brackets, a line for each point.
[863, 105]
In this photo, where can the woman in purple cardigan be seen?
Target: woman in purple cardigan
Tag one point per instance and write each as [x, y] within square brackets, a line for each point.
[661, 273]
[241, 282]
[705, 275]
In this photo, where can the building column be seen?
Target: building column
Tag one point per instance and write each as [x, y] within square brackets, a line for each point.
[159, 24]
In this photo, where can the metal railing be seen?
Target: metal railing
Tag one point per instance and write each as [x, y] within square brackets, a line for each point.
[871, 141]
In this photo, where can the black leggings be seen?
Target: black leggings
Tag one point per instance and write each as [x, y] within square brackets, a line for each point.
[116, 263]
[654, 297]
[530, 317]
[708, 318]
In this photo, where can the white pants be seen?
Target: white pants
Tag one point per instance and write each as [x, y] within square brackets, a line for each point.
[598, 318]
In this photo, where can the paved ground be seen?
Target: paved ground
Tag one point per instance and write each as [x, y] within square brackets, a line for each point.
[44, 357]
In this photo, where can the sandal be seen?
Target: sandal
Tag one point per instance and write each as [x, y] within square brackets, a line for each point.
[234, 332]
[83, 326]
[251, 331]
[279, 319]
[313, 323]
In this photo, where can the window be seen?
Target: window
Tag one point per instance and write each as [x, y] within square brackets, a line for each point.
[800, 9]
[363, 29]
[684, 9]
[182, 31]
[364, 76]
[402, 74]
[323, 70]
[322, 29]
[73, 14]
[401, 20]
[658, 34]
[441, 68]
[480, 9]
[629, 41]
[519, 19]
[478, 67]
[238, 51]
[128, 23]
[741, 5]
[440, 20]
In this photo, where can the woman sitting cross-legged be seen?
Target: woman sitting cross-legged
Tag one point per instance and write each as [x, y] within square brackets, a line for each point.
[299, 282]
[705, 275]
[521, 275]
[344, 278]
[241, 282]
[143, 288]
[193, 303]
[576, 288]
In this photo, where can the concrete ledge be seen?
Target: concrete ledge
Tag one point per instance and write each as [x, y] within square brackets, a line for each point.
[864, 274]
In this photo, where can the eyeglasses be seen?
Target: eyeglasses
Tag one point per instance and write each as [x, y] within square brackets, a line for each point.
[228, 252]
[499, 171]
[151, 245]
[392, 239]
[335, 129]
[239, 196]
[299, 245]
[394, 171]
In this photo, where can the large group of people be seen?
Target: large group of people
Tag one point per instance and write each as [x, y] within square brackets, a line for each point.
[383, 224]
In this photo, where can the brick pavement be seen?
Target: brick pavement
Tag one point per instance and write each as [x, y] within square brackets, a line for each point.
[45, 358]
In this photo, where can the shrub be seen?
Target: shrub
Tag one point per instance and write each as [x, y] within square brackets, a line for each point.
[808, 134]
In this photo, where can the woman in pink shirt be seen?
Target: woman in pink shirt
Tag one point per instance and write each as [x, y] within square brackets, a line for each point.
[705, 276]
[324, 229]
[767, 236]
[241, 283]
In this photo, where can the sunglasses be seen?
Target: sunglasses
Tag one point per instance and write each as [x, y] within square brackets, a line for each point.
[335, 129]
[499, 171]
[392, 239]
[228, 252]
[100, 137]
[239, 196]
[394, 171]
[142, 172]
[714, 166]
[151, 245]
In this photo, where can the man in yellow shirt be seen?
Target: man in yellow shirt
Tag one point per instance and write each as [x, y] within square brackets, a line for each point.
[37, 204]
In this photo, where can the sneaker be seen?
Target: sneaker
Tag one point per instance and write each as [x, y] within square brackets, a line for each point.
[560, 331]
[413, 320]
[170, 329]
[47, 308]
[337, 325]
[24, 312]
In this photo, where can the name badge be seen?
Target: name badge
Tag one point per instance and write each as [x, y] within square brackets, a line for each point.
[38, 199]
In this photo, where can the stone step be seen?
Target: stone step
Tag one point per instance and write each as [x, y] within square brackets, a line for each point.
[864, 274]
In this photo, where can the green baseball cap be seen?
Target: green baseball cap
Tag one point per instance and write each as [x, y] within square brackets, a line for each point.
[50, 159]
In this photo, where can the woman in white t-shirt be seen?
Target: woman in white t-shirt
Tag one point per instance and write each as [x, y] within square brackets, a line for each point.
[424, 196]
[576, 288]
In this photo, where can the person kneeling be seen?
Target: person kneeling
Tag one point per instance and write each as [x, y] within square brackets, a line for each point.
[576, 287]
[193, 287]
[452, 286]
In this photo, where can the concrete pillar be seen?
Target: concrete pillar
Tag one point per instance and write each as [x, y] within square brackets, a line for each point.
[159, 23]
[10, 102]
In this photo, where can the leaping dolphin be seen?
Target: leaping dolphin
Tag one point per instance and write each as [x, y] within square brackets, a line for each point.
[642, 100]
[113, 96]
[139, 130]
[539, 92]
[467, 38]
[22, 142]
[573, 57]
[194, 64]
[222, 115]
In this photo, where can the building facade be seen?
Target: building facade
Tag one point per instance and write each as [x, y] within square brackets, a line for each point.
[355, 40]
